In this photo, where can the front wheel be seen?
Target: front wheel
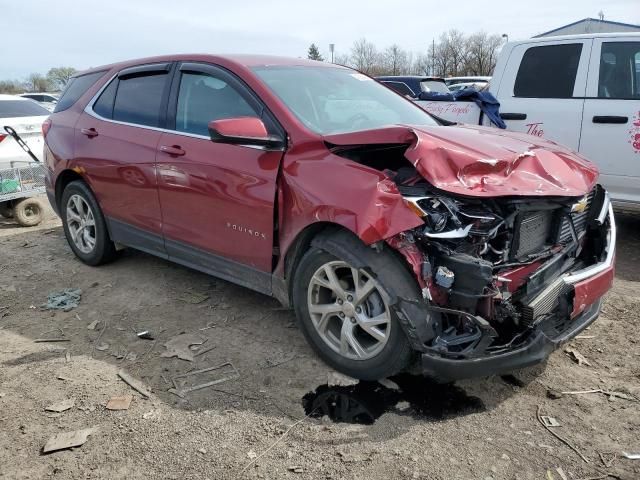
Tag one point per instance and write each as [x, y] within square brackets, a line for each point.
[345, 312]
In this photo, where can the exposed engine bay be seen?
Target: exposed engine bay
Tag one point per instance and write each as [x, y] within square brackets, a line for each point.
[487, 266]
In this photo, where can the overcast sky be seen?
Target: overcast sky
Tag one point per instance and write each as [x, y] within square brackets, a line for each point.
[36, 35]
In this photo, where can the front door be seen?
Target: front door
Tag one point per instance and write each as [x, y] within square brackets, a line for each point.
[542, 90]
[611, 122]
[217, 200]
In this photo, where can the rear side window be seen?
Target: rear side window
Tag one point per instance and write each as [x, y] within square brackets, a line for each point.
[75, 89]
[619, 70]
[138, 99]
[548, 72]
[21, 108]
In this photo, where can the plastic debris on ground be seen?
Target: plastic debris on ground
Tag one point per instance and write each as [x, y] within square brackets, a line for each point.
[119, 403]
[66, 300]
[66, 440]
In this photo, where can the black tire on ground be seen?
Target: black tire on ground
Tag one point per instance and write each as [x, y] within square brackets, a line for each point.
[6, 210]
[104, 250]
[28, 212]
[392, 278]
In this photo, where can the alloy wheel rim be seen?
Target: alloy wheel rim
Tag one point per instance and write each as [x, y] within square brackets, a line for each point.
[81, 224]
[348, 311]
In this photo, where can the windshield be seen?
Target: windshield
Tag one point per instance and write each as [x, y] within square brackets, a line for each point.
[339, 100]
[21, 108]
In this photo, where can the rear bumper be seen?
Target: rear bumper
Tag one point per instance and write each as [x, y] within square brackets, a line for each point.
[588, 285]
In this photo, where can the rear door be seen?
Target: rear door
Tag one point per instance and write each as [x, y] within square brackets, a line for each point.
[217, 199]
[543, 87]
[611, 121]
[116, 141]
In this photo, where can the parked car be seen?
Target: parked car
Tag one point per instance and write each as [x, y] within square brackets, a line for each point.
[413, 85]
[26, 118]
[47, 100]
[469, 79]
[582, 91]
[394, 238]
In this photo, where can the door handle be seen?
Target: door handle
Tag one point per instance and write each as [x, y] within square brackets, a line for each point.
[89, 132]
[513, 116]
[173, 150]
[610, 119]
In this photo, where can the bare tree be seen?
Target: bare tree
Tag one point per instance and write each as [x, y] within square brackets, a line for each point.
[482, 53]
[59, 76]
[364, 57]
[36, 82]
[395, 60]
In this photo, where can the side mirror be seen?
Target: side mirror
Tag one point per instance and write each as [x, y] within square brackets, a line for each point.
[243, 131]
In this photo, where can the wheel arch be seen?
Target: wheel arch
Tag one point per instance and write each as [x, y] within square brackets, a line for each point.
[65, 178]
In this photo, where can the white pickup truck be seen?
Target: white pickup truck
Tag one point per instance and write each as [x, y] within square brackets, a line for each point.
[582, 91]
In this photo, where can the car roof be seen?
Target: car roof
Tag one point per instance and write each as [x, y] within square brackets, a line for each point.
[239, 60]
[400, 78]
[580, 36]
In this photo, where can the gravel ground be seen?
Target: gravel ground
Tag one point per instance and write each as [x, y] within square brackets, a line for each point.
[254, 423]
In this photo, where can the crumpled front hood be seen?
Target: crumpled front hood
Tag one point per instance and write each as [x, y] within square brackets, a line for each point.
[484, 162]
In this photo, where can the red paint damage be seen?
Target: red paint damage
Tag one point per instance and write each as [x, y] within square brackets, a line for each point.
[590, 290]
[484, 162]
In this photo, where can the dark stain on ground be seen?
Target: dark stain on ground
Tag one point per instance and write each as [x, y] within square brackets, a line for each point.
[365, 402]
[35, 357]
[512, 380]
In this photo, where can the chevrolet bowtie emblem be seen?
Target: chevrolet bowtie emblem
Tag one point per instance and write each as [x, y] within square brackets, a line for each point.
[579, 207]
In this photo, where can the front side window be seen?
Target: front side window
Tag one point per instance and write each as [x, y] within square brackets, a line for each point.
[619, 70]
[203, 98]
[138, 99]
[339, 100]
[548, 71]
[75, 88]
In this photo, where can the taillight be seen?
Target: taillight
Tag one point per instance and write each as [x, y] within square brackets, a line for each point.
[46, 125]
[2, 137]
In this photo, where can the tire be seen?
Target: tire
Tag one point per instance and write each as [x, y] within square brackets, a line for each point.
[78, 203]
[371, 361]
[6, 210]
[28, 212]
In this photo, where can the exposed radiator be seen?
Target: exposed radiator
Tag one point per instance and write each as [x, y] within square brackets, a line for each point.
[533, 235]
[544, 303]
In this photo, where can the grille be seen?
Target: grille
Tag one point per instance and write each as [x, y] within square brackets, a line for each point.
[579, 221]
[534, 231]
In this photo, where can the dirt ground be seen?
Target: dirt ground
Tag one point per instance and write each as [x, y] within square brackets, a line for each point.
[254, 423]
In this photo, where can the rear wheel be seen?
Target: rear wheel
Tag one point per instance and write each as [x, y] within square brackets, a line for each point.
[6, 210]
[345, 311]
[28, 212]
[84, 225]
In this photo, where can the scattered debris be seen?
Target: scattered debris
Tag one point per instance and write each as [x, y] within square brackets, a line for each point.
[151, 414]
[46, 340]
[67, 356]
[576, 356]
[101, 347]
[402, 406]
[209, 325]
[563, 475]
[66, 300]
[201, 352]
[251, 454]
[135, 384]
[295, 469]
[607, 458]
[119, 403]
[145, 335]
[182, 390]
[336, 379]
[193, 298]
[585, 337]
[609, 393]
[178, 346]
[566, 442]
[631, 455]
[61, 406]
[202, 450]
[93, 325]
[279, 359]
[549, 421]
[390, 384]
[66, 440]
[554, 394]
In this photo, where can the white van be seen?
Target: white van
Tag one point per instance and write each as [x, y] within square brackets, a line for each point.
[582, 91]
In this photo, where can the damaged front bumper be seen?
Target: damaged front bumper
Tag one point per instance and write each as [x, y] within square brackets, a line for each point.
[584, 288]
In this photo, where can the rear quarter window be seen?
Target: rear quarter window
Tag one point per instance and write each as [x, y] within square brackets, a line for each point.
[548, 71]
[76, 87]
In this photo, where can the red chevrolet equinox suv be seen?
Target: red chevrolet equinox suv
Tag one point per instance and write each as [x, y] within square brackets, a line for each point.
[398, 240]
